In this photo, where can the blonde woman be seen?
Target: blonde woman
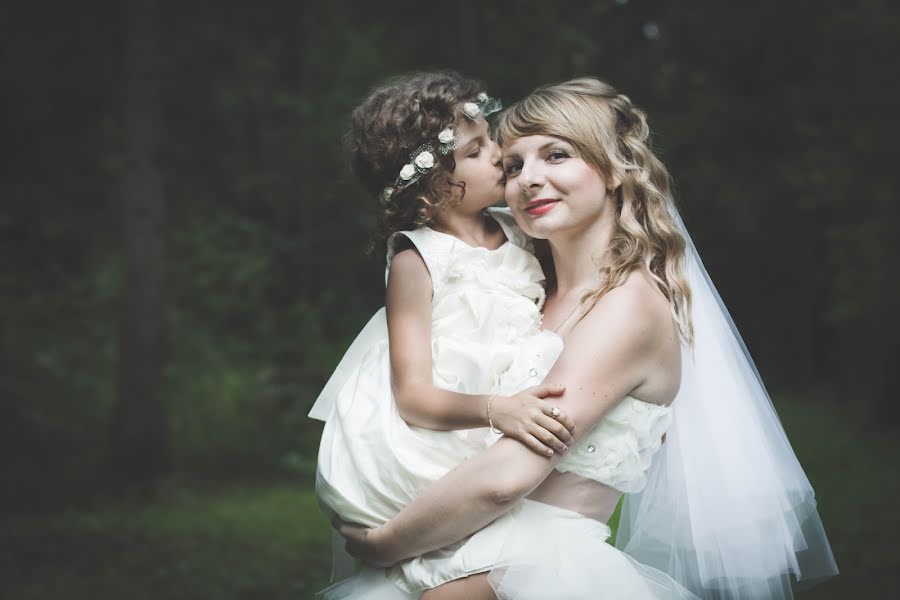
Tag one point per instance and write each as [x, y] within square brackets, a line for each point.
[720, 507]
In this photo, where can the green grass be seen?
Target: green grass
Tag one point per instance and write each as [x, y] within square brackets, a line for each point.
[269, 540]
[244, 541]
[851, 463]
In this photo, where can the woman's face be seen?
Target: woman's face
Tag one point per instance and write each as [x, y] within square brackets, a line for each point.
[550, 188]
[478, 166]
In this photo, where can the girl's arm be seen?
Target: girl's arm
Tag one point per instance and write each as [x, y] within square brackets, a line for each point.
[485, 486]
[524, 416]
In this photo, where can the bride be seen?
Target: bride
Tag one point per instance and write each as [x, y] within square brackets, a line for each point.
[667, 405]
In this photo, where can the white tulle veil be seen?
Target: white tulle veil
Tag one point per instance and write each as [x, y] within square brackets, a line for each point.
[727, 511]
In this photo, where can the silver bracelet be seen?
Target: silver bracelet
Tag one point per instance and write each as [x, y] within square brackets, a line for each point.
[490, 421]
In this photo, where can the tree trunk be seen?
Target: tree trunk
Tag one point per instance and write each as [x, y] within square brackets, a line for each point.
[140, 428]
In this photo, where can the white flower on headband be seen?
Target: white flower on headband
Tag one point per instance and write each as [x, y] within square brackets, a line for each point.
[425, 160]
[407, 172]
[471, 110]
[482, 97]
[446, 136]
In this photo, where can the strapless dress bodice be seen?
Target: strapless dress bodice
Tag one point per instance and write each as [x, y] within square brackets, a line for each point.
[619, 449]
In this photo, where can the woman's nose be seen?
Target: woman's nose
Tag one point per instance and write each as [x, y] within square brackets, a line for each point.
[530, 177]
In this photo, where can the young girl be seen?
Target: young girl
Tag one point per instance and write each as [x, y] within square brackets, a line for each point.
[464, 292]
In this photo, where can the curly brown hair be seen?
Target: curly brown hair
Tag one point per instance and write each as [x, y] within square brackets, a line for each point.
[396, 118]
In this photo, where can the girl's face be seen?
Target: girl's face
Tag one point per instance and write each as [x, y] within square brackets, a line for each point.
[478, 166]
[550, 188]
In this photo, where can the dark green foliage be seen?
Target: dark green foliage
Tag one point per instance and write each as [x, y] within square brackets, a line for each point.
[776, 120]
[269, 540]
[194, 543]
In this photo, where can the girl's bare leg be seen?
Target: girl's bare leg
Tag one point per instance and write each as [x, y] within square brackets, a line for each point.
[474, 587]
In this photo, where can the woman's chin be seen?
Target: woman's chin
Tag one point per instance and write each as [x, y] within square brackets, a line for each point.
[542, 227]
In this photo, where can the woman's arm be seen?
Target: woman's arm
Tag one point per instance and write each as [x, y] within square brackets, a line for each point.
[420, 403]
[485, 486]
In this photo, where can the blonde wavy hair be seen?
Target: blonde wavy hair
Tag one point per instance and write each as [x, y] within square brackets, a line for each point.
[611, 135]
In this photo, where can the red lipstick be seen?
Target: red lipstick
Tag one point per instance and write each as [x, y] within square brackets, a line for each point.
[540, 206]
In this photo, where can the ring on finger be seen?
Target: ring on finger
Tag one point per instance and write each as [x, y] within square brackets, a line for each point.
[554, 412]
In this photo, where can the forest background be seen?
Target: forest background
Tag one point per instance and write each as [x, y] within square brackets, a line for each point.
[182, 255]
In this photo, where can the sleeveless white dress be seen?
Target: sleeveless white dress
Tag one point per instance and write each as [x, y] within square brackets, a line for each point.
[485, 305]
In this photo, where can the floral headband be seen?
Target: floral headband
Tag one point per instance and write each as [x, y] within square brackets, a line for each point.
[422, 159]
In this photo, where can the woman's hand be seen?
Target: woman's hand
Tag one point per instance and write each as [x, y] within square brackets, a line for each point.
[533, 420]
[364, 543]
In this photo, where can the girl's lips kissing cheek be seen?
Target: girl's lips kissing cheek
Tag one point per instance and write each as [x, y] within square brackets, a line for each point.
[540, 206]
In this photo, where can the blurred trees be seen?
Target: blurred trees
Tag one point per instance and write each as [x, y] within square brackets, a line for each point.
[140, 427]
[776, 121]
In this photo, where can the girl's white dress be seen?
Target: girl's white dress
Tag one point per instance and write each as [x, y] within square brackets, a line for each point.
[485, 304]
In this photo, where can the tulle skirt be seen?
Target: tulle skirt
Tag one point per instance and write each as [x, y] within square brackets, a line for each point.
[533, 552]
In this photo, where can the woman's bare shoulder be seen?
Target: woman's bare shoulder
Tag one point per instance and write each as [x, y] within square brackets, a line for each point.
[652, 330]
[641, 284]
[632, 327]
[638, 301]
[621, 325]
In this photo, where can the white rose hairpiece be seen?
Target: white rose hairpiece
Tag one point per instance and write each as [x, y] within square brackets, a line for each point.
[483, 105]
[423, 158]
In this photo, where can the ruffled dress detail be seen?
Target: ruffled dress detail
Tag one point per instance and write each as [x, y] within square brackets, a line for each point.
[485, 306]
[619, 450]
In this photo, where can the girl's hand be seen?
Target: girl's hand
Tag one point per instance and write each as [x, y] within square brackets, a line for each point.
[363, 543]
[529, 418]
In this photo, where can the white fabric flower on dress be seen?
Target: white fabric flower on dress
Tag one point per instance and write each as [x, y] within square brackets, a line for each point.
[471, 110]
[446, 136]
[425, 160]
[407, 172]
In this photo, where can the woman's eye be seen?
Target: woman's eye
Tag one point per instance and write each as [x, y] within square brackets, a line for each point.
[511, 169]
[557, 154]
[475, 154]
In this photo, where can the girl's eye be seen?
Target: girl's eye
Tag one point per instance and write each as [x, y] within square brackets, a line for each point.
[511, 169]
[475, 153]
[557, 154]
